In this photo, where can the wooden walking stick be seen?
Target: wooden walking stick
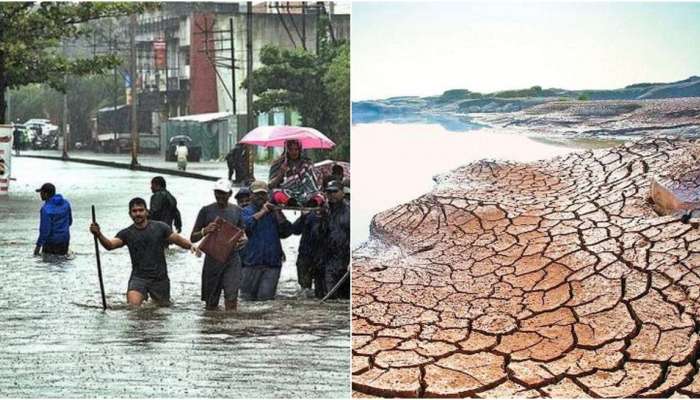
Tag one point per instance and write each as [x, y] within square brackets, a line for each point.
[99, 265]
[337, 285]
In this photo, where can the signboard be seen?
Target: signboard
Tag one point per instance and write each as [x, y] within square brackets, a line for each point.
[159, 54]
[5, 158]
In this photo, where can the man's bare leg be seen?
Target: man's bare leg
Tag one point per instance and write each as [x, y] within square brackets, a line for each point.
[134, 298]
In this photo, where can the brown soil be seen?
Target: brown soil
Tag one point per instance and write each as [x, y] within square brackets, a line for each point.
[555, 279]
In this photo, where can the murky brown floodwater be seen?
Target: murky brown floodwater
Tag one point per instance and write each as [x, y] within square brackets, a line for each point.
[56, 341]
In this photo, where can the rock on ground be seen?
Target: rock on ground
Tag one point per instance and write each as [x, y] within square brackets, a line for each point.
[604, 118]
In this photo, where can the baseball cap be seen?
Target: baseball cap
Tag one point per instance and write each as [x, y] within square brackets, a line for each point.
[333, 186]
[244, 191]
[223, 185]
[258, 186]
[47, 187]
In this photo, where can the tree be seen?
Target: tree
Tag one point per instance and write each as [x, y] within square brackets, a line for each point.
[30, 34]
[337, 83]
[86, 95]
[316, 85]
[34, 101]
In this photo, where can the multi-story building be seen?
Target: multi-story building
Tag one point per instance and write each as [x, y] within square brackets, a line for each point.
[184, 57]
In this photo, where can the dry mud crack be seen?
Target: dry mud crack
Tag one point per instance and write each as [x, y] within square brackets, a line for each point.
[550, 279]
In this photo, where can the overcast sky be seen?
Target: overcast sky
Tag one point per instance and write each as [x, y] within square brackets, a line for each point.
[426, 48]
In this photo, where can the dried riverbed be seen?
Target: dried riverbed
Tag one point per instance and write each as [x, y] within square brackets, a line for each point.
[553, 278]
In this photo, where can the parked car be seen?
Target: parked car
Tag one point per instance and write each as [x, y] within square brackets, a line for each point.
[43, 125]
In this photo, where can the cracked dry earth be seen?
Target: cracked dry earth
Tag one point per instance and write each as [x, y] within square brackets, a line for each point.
[550, 279]
[603, 117]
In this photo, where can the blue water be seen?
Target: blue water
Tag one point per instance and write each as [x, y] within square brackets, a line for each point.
[363, 113]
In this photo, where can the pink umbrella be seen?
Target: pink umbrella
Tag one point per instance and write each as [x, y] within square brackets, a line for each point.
[324, 168]
[275, 136]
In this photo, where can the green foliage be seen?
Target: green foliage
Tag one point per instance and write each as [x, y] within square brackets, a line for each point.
[535, 91]
[86, 95]
[31, 35]
[458, 94]
[316, 85]
[337, 83]
[584, 97]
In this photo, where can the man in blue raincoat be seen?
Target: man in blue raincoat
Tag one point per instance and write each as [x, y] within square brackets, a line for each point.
[56, 219]
[263, 255]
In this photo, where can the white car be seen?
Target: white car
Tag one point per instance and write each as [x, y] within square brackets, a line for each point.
[44, 125]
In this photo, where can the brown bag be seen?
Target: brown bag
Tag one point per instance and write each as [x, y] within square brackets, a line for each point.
[219, 245]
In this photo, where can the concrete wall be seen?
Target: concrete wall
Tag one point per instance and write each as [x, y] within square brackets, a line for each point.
[203, 85]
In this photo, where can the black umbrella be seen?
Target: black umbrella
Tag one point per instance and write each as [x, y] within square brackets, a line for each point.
[180, 138]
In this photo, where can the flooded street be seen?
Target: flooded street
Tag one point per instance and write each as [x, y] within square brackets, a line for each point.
[57, 342]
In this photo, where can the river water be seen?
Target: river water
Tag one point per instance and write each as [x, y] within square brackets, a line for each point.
[395, 162]
[56, 341]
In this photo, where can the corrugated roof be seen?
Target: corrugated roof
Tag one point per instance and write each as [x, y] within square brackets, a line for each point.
[112, 108]
[208, 117]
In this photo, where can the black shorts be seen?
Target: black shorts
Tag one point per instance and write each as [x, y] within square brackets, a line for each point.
[55, 248]
[159, 289]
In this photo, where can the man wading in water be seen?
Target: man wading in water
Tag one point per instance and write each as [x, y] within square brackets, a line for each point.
[163, 205]
[56, 219]
[217, 276]
[146, 241]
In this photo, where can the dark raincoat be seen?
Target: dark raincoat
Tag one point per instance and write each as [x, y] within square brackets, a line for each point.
[334, 249]
[56, 219]
[164, 208]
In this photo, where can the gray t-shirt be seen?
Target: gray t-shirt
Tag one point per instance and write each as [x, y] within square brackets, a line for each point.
[207, 215]
[146, 248]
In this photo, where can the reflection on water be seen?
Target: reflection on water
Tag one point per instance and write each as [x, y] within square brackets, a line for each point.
[450, 122]
[146, 325]
[409, 155]
[58, 342]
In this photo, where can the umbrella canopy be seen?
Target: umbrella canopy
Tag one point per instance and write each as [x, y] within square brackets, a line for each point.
[275, 136]
[324, 168]
[180, 138]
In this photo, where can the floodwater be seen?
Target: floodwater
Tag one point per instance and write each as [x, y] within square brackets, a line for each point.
[405, 157]
[56, 341]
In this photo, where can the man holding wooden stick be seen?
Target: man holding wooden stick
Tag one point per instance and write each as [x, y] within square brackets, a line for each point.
[146, 241]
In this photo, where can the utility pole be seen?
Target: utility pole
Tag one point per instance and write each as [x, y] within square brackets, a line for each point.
[64, 119]
[233, 71]
[134, 94]
[8, 96]
[112, 43]
[303, 24]
[237, 134]
[250, 120]
[318, 27]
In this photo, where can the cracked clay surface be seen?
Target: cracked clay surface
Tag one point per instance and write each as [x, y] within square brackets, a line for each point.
[549, 279]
